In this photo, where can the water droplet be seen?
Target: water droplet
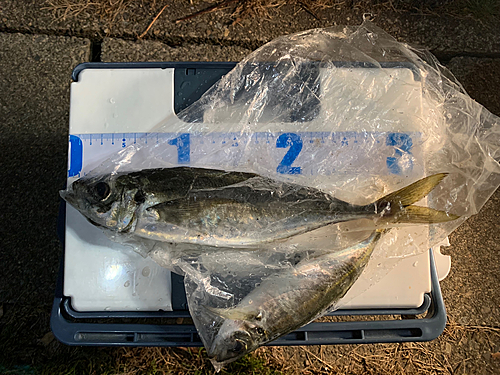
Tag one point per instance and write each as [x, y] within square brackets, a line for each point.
[137, 308]
[115, 115]
[106, 125]
[146, 271]
[415, 264]
[112, 100]
[127, 284]
[107, 308]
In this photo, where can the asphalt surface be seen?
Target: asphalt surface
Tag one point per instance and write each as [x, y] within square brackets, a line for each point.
[119, 50]
[34, 96]
[33, 139]
[35, 71]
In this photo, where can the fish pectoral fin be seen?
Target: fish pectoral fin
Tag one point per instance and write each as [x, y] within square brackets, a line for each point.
[232, 313]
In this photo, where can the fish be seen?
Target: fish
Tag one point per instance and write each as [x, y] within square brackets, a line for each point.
[288, 300]
[115, 201]
[231, 209]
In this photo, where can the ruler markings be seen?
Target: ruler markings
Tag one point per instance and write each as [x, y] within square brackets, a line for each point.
[293, 153]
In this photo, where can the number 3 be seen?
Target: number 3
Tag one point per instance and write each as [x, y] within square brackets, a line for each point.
[402, 145]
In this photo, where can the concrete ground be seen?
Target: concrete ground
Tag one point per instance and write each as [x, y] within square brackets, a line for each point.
[38, 50]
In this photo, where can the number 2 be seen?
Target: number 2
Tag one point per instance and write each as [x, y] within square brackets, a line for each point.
[295, 143]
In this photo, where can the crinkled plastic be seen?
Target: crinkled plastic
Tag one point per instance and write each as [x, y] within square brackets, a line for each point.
[346, 110]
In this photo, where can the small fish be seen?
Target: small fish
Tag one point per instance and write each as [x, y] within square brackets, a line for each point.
[289, 300]
[230, 209]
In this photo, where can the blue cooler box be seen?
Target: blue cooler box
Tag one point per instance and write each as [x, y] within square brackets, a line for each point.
[107, 295]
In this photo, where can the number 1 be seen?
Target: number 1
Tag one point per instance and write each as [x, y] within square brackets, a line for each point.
[183, 148]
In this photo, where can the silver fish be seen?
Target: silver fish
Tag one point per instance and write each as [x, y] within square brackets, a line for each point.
[288, 301]
[230, 209]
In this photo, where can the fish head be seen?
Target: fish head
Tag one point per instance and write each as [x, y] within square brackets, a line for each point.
[106, 201]
[235, 339]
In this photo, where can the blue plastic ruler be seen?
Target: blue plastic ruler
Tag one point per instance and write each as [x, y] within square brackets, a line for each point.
[306, 153]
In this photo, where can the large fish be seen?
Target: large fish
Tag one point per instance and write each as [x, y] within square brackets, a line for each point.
[230, 209]
[289, 300]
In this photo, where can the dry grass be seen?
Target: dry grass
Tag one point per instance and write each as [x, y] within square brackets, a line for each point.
[111, 12]
[449, 354]
[108, 9]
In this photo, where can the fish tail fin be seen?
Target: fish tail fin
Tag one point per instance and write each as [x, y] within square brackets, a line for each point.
[397, 206]
[423, 215]
[414, 192]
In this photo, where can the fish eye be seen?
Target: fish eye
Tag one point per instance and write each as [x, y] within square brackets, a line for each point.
[140, 197]
[239, 346]
[101, 191]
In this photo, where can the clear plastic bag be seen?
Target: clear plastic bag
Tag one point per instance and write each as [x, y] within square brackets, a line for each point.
[344, 112]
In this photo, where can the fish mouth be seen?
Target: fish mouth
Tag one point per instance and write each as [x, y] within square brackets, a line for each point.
[211, 354]
[68, 197]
